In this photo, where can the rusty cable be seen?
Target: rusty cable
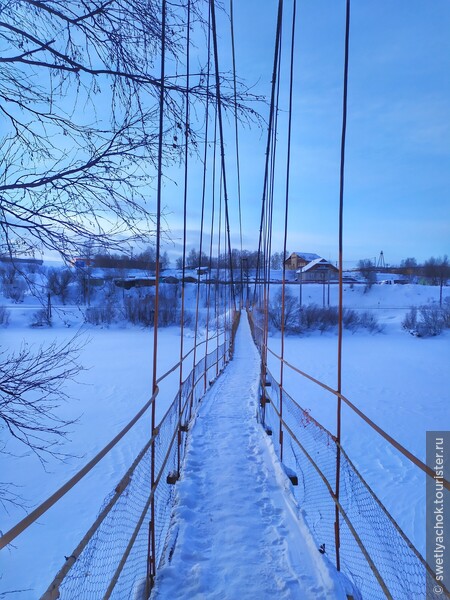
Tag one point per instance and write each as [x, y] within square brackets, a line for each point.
[286, 211]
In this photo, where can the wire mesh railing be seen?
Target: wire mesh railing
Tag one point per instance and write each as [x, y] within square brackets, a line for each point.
[375, 554]
[112, 559]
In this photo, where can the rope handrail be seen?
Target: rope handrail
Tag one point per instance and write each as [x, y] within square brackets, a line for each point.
[338, 505]
[336, 499]
[53, 589]
[175, 367]
[134, 535]
[409, 455]
[51, 592]
[388, 515]
[32, 517]
[222, 144]
[10, 535]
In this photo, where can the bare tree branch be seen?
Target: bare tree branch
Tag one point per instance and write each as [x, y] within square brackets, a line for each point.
[79, 102]
[80, 92]
[32, 386]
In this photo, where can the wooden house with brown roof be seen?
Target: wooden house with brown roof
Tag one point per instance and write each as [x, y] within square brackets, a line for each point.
[298, 260]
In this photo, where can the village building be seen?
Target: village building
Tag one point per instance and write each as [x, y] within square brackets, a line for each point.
[298, 260]
[318, 270]
[310, 267]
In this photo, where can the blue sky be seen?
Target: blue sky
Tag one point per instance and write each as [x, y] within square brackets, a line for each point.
[397, 188]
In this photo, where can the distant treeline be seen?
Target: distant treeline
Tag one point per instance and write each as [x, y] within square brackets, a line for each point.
[246, 259]
[22, 261]
[145, 261]
[435, 270]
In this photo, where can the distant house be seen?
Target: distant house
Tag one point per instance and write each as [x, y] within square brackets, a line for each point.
[298, 260]
[80, 262]
[310, 267]
[317, 271]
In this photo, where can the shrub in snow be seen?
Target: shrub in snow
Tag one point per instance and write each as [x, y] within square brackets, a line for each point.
[41, 318]
[290, 311]
[8, 274]
[58, 282]
[14, 286]
[168, 314]
[139, 309]
[350, 319]
[4, 316]
[431, 321]
[189, 318]
[312, 317]
[428, 320]
[410, 321]
[84, 288]
[107, 309]
[100, 315]
[15, 291]
[169, 305]
[367, 269]
[367, 320]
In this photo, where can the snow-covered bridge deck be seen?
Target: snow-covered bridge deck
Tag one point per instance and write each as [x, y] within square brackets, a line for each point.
[236, 531]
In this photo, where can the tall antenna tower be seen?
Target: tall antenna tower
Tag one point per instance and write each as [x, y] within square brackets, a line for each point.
[381, 262]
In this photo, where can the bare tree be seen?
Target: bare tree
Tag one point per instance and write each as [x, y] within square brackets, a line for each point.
[79, 102]
[79, 95]
[276, 261]
[291, 310]
[31, 387]
[58, 282]
[438, 272]
[195, 260]
[409, 267]
[367, 269]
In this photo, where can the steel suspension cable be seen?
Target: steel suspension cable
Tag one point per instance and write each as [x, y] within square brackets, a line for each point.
[211, 239]
[341, 262]
[271, 192]
[185, 197]
[222, 140]
[273, 160]
[219, 291]
[238, 166]
[151, 562]
[202, 217]
[269, 139]
[286, 211]
[270, 202]
[225, 288]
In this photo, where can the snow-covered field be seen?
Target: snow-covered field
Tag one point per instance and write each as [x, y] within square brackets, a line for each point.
[114, 386]
[400, 381]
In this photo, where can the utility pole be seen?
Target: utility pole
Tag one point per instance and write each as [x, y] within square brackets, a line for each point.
[329, 275]
[301, 284]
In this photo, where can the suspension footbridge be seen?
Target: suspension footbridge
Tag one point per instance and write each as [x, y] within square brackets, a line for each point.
[238, 492]
[236, 531]
[233, 497]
